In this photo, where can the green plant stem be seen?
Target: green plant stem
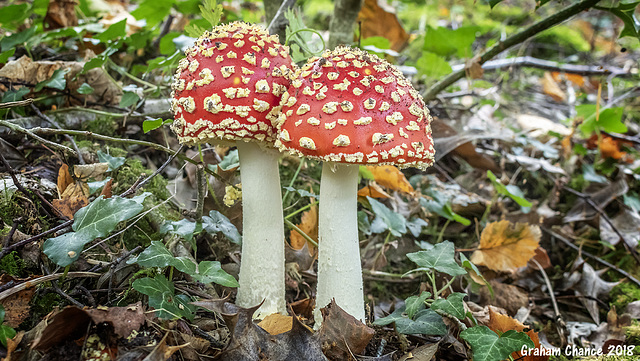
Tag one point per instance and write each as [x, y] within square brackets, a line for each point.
[442, 231]
[517, 38]
[293, 179]
[301, 209]
[446, 285]
[301, 232]
[432, 277]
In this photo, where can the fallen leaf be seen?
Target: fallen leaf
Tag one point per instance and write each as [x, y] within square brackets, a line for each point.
[582, 211]
[421, 353]
[249, 342]
[508, 297]
[106, 190]
[25, 70]
[61, 14]
[341, 334]
[373, 190]
[85, 171]
[390, 177]
[503, 323]
[474, 68]
[377, 18]
[123, 319]
[551, 88]
[593, 287]
[309, 225]
[18, 305]
[276, 323]
[542, 258]
[505, 246]
[162, 351]
[12, 345]
[64, 179]
[69, 324]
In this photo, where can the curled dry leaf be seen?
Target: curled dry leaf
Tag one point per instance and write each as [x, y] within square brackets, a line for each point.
[552, 89]
[341, 334]
[61, 14]
[373, 190]
[33, 72]
[390, 177]
[505, 246]
[377, 18]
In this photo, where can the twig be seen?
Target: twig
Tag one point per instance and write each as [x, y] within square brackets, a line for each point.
[19, 129]
[606, 218]
[17, 183]
[529, 61]
[560, 324]
[24, 285]
[155, 173]
[596, 258]
[19, 103]
[514, 39]
[277, 18]
[55, 124]
[14, 227]
[202, 191]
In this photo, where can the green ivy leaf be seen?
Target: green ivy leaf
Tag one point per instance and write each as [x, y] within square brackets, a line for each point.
[440, 257]
[386, 219]
[6, 332]
[453, 305]
[5, 55]
[13, 13]
[9, 42]
[153, 124]
[433, 65]
[414, 304]
[128, 99]
[300, 38]
[511, 191]
[488, 346]
[114, 162]
[57, 81]
[426, 322]
[183, 228]
[439, 204]
[470, 266]
[15, 95]
[162, 297]
[609, 120]
[156, 255]
[301, 192]
[85, 89]
[97, 219]
[217, 222]
[230, 161]
[211, 271]
[113, 32]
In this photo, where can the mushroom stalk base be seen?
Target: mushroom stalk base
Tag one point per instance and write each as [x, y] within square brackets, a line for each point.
[339, 269]
[262, 266]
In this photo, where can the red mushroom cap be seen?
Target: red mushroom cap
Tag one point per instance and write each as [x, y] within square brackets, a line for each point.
[230, 84]
[350, 106]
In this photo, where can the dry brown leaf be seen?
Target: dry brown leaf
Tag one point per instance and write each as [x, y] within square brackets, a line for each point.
[309, 225]
[341, 334]
[64, 179]
[505, 246]
[377, 18]
[542, 258]
[74, 197]
[61, 14]
[123, 319]
[390, 177]
[106, 190]
[18, 305]
[502, 323]
[12, 345]
[474, 68]
[373, 190]
[85, 171]
[551, 88]
[33, 72]
[276, 323]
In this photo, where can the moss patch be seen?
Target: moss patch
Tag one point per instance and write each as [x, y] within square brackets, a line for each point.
[12, 264]
[623, 294]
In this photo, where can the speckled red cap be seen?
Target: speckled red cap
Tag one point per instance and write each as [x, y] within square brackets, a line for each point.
[350, 106]
[230, 84]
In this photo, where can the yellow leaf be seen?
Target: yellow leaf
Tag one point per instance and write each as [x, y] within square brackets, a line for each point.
[309, 225]
[373, 190]
[276, 323]
[505, 246]
[551, 88]
[390, 177]
[64, 178]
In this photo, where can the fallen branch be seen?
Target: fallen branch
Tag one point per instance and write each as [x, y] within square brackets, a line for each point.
[529, 61]
[24, 285]
[514, 39]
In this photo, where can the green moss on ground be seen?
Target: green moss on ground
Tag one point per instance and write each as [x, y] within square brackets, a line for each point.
[12, 264]
[623, 294]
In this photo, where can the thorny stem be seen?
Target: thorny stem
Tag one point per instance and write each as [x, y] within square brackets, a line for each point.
[517, 38]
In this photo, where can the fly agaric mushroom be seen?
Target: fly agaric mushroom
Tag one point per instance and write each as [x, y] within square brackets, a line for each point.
[228, 88]
[348, 108]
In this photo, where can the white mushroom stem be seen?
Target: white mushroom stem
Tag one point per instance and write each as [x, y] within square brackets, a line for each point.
[339, 269]
[262, 266]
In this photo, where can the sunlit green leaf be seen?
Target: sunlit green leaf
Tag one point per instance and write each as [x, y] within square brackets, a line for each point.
[5, 55]
[433, 65]
[486, 345]
[113, 32]
[609, 120]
